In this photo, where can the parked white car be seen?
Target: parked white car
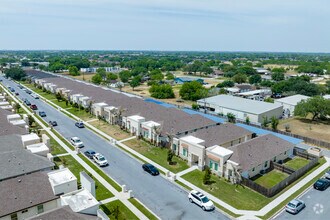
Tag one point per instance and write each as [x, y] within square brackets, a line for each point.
[75, 141]
[201, 200]
[100, 160]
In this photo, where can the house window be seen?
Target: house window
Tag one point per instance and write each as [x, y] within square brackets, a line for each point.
[40, 209]
[253, 169]
[174, 147]
[184, 152]
[216, 166]
[211, 164]
[14, 216]
[266, 163]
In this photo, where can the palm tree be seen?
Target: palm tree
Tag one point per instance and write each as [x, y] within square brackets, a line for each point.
[274, 122]
[231, 117]
[156, 130]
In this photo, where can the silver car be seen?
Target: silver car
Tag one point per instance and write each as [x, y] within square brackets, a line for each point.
[75, 141]
[295, 206]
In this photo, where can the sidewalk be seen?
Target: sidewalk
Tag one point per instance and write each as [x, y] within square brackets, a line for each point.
[117, 194]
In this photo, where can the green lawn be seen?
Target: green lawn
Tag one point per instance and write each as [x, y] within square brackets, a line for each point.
[296, 163]
[271, 178]
[55, 148]
[101, 191]
[240, 197]
[81, 114]
[157, 154]
[99, 171]
[122, 211]
[145, 211]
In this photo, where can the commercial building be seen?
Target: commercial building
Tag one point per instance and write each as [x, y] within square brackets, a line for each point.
[289, 103]
[242, 108]
[181, 80]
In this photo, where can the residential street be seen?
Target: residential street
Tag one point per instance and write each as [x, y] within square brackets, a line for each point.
[317, 206]
[161, 196]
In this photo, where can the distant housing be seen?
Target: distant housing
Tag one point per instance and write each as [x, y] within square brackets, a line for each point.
[181, 80]
[107, 69]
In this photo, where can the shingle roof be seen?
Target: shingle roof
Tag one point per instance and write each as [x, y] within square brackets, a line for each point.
[258, 150]
[220, 134]
[16, 161]
[24, 191]
[8, 128]
[172, 120]
[64, 212]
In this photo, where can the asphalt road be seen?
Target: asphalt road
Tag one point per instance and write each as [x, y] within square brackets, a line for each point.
[317, 206]
[165, 199]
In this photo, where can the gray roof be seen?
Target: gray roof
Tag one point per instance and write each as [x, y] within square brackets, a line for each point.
[220, 134]
[173, 120]
[16, 161]
[64, 212]
[241, 104]
[8, 128]
[24, 191]
[292, 100]
[258, 150]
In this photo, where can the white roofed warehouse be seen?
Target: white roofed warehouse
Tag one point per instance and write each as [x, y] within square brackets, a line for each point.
[241, 108]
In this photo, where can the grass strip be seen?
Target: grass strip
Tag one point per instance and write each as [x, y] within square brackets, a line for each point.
[141, 207]
[101, 173]
[117, 210]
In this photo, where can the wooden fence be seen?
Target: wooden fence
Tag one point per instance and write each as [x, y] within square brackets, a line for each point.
[293, 176]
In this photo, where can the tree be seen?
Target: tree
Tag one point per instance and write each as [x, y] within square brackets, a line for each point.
[231, 117]
[240, 78]
[58, 96]
[194, 106]
[278, 76]
[164, 91]
[255, 79]
[274, 122]
[246, 70]
[97, 78]
[111, 76]
[15, 73]
[31, 120]
[264, 121]
[135, 82]
[170, 155]
[157, 77]
[101, 71]
[192, 91]
[278, 70]
[17, 107]
[169, 76]
[207, 175]
[269, 99]
[247, 120]
[73, 71]
[226, 83]
[318, 106]
[124, 76]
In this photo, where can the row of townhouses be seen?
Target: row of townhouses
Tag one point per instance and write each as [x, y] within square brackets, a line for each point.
[226, 148]
[30, 186]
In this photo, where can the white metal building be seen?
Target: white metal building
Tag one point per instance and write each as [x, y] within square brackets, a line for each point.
[241, 108]
[290, 102]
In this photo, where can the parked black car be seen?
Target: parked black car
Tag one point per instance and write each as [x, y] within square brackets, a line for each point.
[27, 102]
[89, 153]
[150, 169]
[321, 184]
[53, 123]
[42, 114]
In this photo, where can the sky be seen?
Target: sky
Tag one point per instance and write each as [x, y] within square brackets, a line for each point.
[175, 25]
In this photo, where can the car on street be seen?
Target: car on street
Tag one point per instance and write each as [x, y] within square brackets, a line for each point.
[19, 86]
[42, 114]
[33, 107]
[12, 89]
[28, 92]
[75, 141]
[295, 206]
[201, 200]
[35, 96]
[150, 169]
[327, 175]
[321, 184]
[100, 160]
[16, 93]
[27, 102]
[53, 123]
[79, 124]
[89, 153]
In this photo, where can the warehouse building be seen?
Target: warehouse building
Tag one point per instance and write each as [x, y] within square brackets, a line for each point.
[289, 103]
[241, 108]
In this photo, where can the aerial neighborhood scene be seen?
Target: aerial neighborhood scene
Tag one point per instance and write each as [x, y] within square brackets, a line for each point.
[164, 110]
